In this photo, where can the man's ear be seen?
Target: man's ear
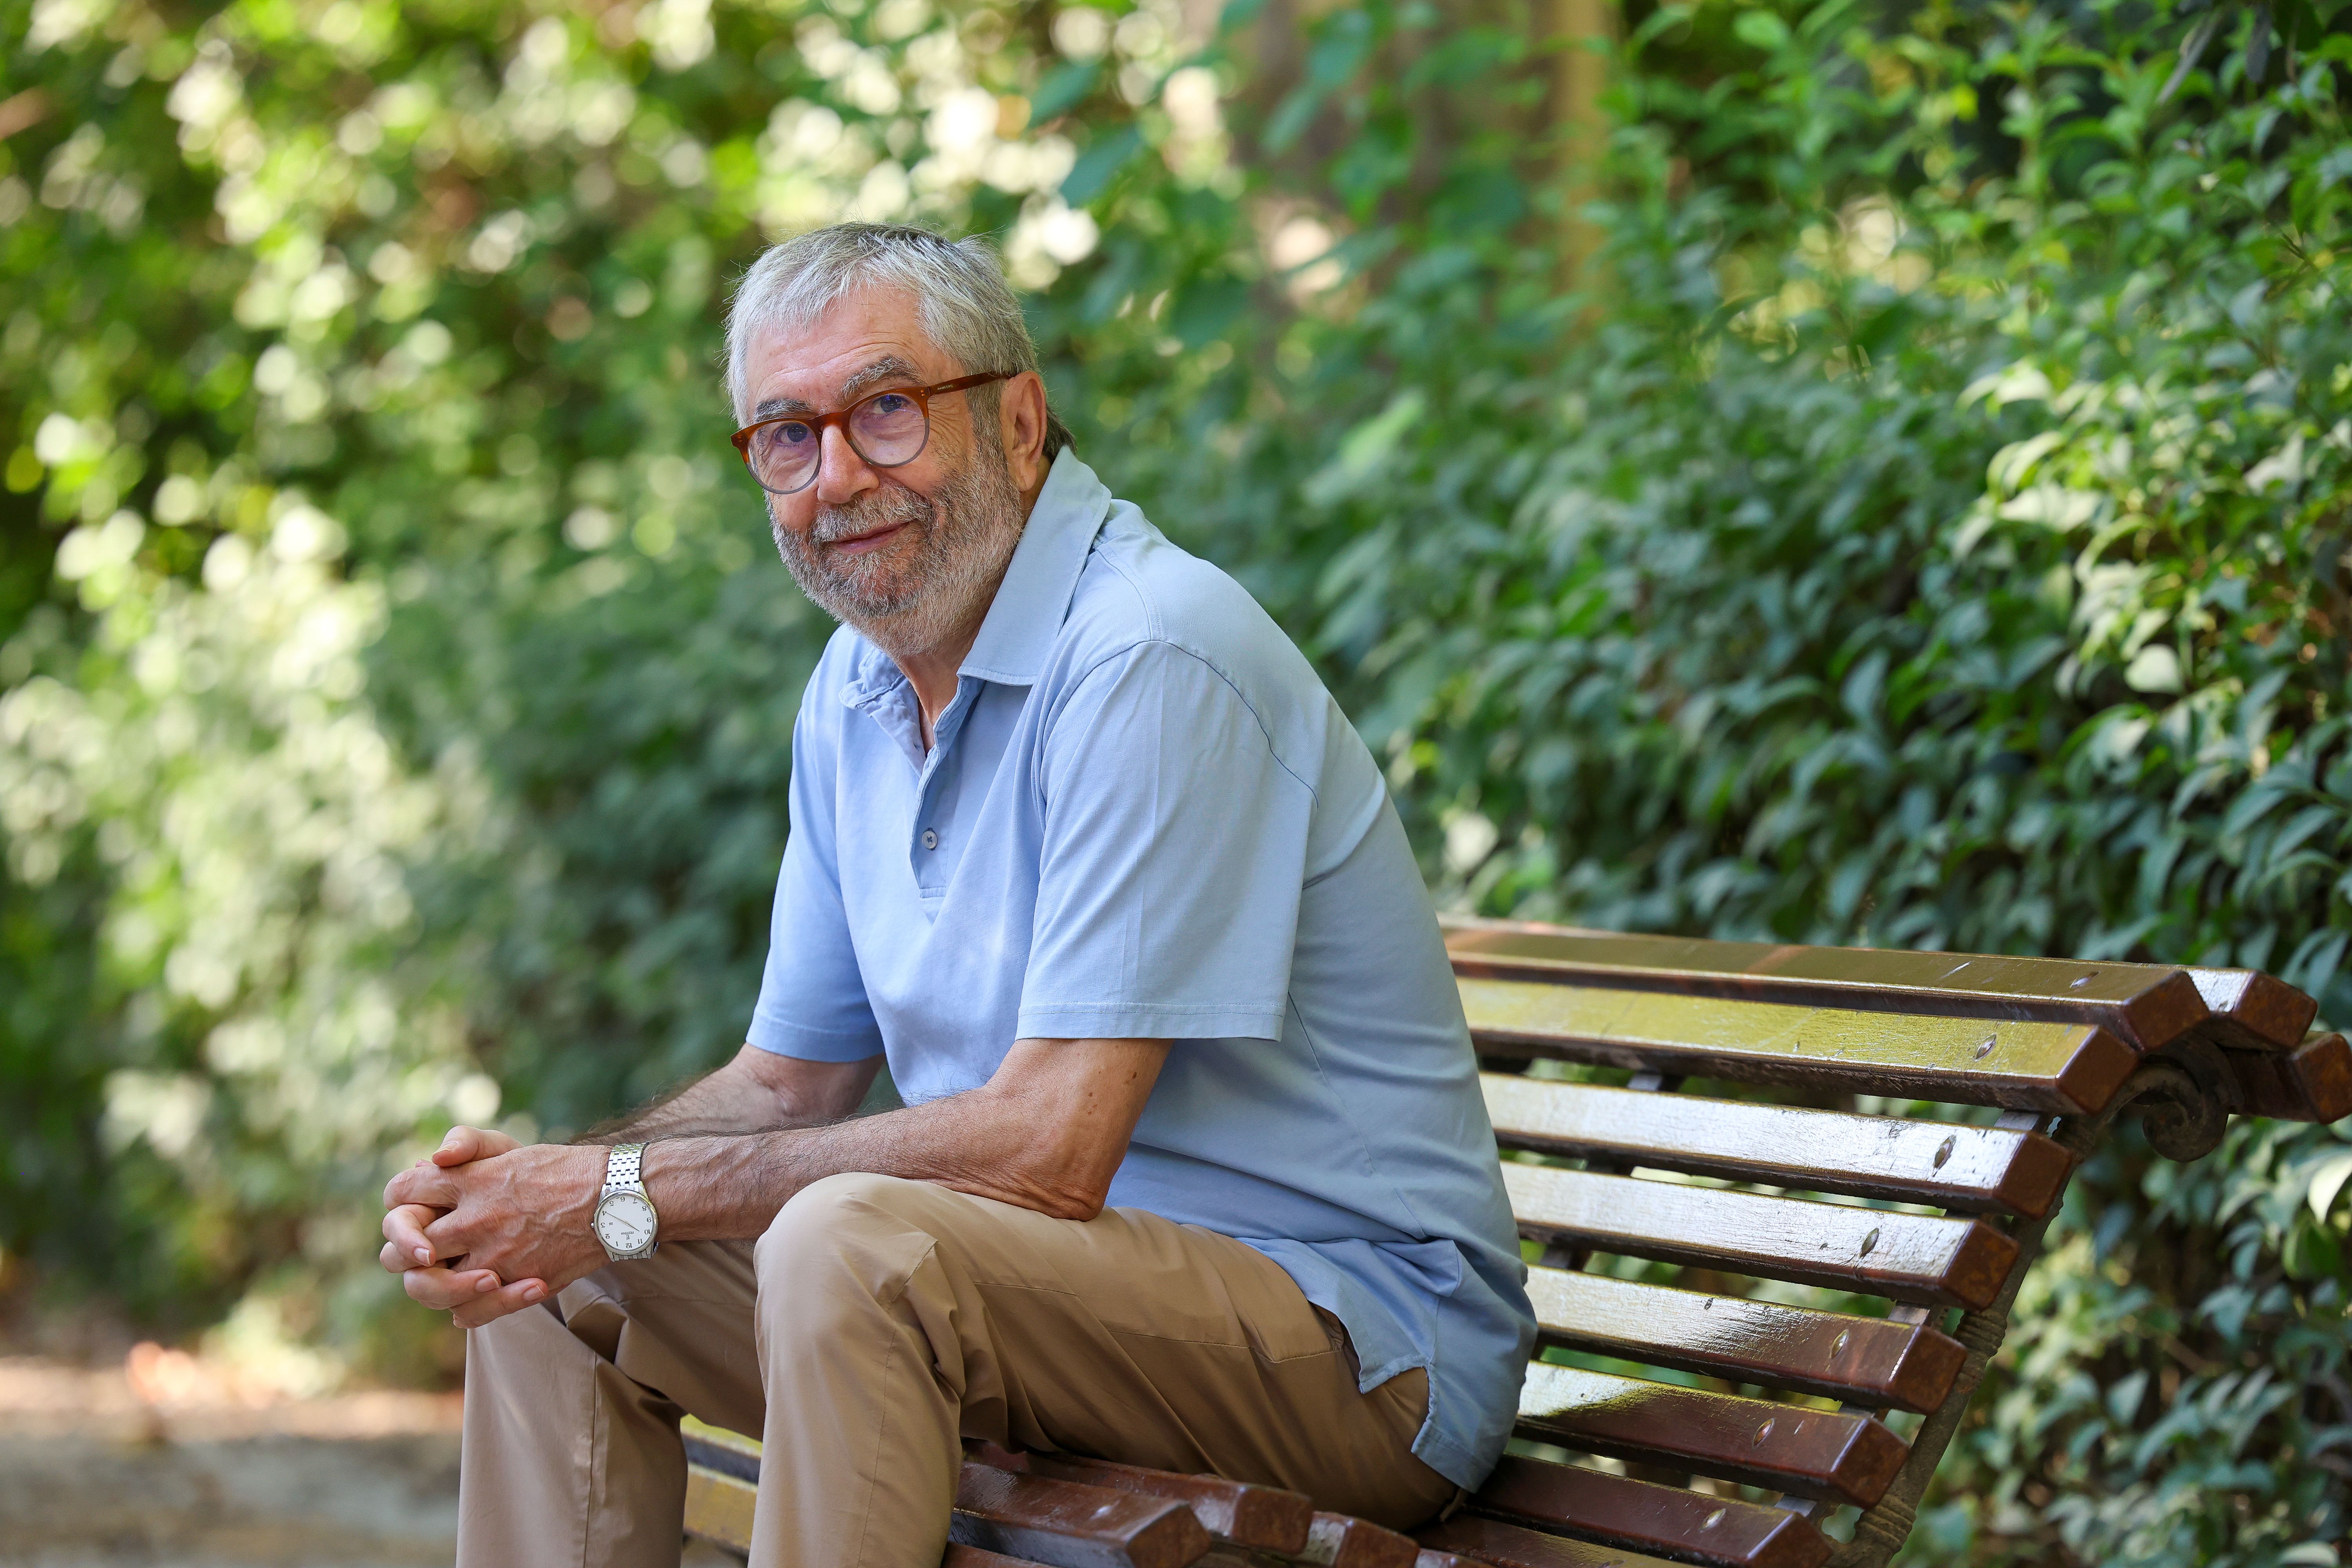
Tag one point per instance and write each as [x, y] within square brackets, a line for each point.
[1021, 413]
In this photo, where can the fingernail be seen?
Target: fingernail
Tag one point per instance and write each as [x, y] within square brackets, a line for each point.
[534, 1292]
[423, 1254]
[486, 1282]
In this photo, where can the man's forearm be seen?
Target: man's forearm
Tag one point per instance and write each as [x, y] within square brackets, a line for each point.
[1047, 1132]
[1034, 1145]
[754, 1093]
[699, 1109]
[730, 1187]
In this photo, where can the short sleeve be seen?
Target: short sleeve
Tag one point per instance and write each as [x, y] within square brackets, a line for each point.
[1173, 848]
[812, 1001]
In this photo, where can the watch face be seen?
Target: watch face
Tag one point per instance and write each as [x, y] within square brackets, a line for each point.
[624, 1222]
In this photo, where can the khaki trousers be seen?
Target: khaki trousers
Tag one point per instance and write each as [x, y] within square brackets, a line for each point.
[877, 1324]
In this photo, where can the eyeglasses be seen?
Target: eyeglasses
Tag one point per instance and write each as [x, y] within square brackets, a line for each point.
[888, 430]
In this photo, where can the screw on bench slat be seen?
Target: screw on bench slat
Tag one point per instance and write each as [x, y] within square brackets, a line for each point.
[1813, 1508]
[1816, 1507]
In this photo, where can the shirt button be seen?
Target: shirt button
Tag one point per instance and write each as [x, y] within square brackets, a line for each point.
[930, 839]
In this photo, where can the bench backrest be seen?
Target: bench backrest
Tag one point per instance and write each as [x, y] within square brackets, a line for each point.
[1800, 1158]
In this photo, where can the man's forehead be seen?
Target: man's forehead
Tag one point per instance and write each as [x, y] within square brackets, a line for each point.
[858, 343]
[853, 330]
[802, 389]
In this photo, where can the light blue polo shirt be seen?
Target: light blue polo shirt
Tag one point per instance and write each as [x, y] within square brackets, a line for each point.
[1145, 817]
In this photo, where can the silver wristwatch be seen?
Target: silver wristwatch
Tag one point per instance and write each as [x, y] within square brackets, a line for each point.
[625, 1220]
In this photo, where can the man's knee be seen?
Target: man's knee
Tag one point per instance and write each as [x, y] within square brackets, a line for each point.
[514, 1352]
[851, 1228]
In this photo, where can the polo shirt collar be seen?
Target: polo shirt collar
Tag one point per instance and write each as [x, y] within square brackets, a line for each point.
[1033, 599]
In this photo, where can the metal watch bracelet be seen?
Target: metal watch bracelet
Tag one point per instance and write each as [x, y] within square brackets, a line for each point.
[626, 1221]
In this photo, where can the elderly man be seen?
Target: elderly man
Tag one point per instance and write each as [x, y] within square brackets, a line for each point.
[1192, 1173]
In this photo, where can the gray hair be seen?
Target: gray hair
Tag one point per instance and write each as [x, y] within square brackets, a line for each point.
[960, 296]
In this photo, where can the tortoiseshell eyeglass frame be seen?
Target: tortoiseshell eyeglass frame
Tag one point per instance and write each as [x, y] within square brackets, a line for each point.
[841, 417]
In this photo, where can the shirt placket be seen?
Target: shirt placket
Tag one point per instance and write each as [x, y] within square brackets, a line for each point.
[924, 852]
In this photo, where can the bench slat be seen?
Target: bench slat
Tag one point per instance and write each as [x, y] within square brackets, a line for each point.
[2311, 1083]
[1781, 1448]
[1909, 1257]
[2254, 1011]
[1972, 1168]
[1645, 1517]
[1261, 1519]
[1428, 1557]
[1868, 1361]
[2070, 1069]
[1064, 1525]
[719, 1507]
[716, 1448]
[1509, 1546]
[2144, 1005]
[1343, 1540]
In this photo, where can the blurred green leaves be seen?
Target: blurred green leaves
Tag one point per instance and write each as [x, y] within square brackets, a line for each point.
[393, 686]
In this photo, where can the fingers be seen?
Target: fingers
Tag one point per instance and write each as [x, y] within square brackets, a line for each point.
[405, 1245]
[489, 1308]
[421, 1183]
[454, 1235]
[394, 1263]
[468, 1143]
[444, 1288]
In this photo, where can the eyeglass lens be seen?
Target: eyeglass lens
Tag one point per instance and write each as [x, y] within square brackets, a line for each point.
[887, 429]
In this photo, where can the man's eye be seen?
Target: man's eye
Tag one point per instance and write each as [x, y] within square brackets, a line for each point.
[893, 403]
[792, 434]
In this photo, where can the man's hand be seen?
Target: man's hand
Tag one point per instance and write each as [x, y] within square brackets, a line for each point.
[404, 1245]
[485, 1227]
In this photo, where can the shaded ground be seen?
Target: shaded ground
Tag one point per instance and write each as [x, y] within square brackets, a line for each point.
[159, 1464]
[83, 1502]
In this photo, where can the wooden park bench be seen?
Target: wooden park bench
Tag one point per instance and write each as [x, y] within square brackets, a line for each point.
[1692, 1128]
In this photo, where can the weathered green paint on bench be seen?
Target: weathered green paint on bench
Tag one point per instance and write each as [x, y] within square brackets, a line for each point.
[2071, 1070]
[1976, 1168]
[2145, 1005]
[1834, 1355]
[1905, 1256]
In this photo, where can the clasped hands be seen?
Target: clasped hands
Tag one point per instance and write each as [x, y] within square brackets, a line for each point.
[485, 1226]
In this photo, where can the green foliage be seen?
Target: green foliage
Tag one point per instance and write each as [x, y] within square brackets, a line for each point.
[1923, 523]
[392, 690]
[2180, 1391]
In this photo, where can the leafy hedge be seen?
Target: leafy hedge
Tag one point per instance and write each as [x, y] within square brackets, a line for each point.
[1932, 533]
[1923, 522]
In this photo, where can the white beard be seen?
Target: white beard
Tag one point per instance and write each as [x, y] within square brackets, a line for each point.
[914, 593]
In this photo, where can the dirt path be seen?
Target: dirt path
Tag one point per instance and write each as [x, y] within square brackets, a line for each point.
[82, 1503]
[93, 1474]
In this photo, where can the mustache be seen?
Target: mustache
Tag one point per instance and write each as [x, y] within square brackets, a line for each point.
[868, 513]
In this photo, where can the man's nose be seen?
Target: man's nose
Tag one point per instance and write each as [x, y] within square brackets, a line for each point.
[842, 475]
